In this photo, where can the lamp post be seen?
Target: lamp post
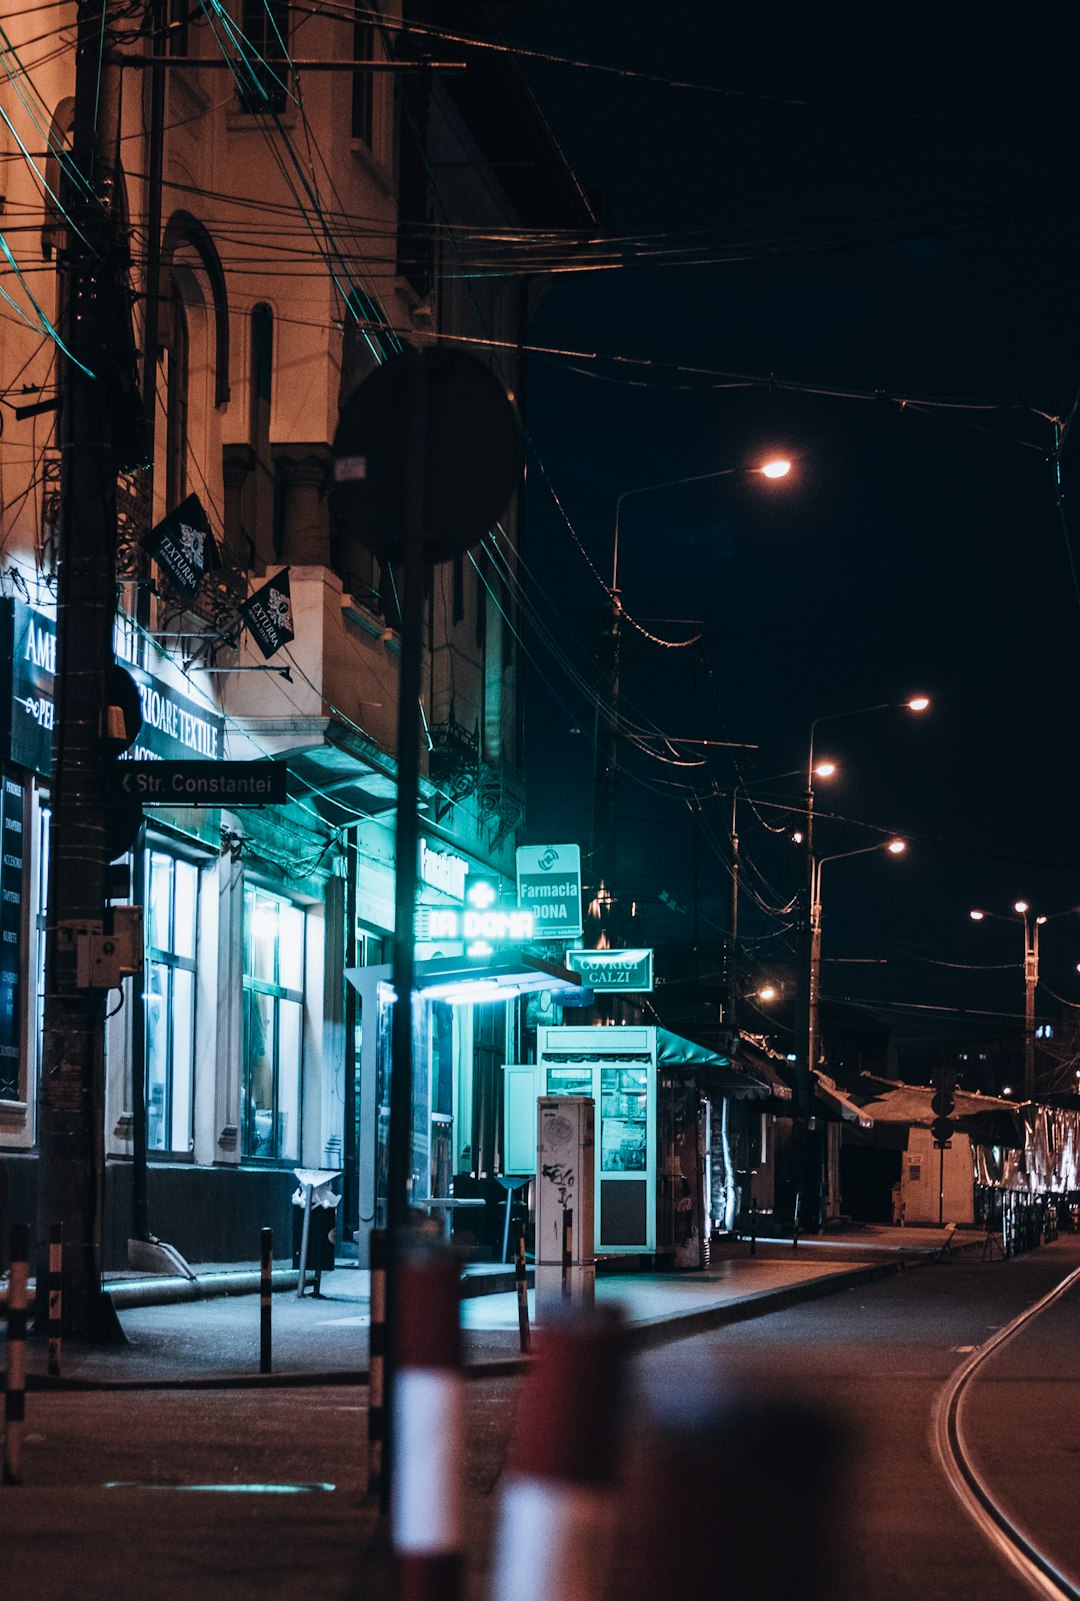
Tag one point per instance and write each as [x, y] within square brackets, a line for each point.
[806, 1019]
[607, 756]
[895, 847]
[1032, 924]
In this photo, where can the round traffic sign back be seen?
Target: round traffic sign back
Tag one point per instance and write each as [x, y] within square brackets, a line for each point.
[445, 414]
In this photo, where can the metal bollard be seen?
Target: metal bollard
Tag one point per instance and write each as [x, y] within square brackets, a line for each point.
[377, 1362]
[266, 1299]
[567, 1251]
[56, 1296]
[521, 1285]
[427, 1433]
[15, 1397]
[753, 1228]
[554, 1526]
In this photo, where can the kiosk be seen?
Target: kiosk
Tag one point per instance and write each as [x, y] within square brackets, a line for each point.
[621, 1070]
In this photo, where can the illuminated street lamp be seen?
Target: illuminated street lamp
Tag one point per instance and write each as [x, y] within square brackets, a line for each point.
[894, 847]
[1032, 925]
[806, 1042]
[607, 756]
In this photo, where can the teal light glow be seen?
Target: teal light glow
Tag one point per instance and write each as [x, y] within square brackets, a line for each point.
[224, 1489]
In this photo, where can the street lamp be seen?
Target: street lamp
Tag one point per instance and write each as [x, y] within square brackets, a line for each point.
[606, 768]
[806, 1007]
[1032, 925]
[894, 847]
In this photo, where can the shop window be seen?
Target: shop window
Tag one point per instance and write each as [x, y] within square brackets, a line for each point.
[273, 1026]
[172, 889]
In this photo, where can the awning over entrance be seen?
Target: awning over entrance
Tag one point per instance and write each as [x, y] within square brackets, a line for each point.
[455, 979]
[716, 1074]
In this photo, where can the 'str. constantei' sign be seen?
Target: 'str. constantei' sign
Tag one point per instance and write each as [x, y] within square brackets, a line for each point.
[201, 783]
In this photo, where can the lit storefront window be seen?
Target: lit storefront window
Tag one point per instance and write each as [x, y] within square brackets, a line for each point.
[172, 889]
[273, 1025]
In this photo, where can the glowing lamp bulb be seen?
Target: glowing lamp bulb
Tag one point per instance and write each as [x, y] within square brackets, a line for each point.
[776, 469]
[976, 916]
[825, 769]
[918, 703]
[767, 992]
[896, 846]
[1020, 906]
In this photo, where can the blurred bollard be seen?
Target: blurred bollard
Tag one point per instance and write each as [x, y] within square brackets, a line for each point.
[266, 1299]
[56, 1296]
[728, 1495]
[521, 1285]
[427, 1435]
[554, 1527]
[377, 1363]
[15, 1396]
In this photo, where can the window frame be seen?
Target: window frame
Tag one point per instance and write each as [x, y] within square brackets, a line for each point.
[170, 961]
[278, 994]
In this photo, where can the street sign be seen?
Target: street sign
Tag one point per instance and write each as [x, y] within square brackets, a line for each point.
[200, 783]
[549, 886]
[627, 970]
[943, 1129]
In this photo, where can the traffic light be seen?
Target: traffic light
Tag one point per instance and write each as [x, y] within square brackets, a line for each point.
[942, 1104]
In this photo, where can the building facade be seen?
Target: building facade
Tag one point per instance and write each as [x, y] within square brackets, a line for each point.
[291, 228]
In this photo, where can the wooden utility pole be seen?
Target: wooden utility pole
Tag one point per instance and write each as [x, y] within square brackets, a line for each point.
[95, 432]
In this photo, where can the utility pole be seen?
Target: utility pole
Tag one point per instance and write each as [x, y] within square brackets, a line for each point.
[97, 384]
[606, 768]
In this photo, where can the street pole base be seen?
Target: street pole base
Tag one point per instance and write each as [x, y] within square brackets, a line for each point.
[156, 1256]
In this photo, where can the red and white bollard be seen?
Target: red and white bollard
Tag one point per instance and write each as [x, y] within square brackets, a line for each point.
[15, 1393]
[556, 1519]
[427, 1435]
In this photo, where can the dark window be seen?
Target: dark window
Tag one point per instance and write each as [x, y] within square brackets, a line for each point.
[266, 30]
[363, 84]
[178, 27]
[176, 404]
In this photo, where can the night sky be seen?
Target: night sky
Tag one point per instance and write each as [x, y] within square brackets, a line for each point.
[910, 231]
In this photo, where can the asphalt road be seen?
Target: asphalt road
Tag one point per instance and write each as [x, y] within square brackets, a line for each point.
[793, 1449]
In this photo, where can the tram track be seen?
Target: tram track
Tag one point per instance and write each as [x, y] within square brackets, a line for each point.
[1016, 1544]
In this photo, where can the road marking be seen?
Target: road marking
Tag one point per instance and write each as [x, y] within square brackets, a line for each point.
[963, 1350]
[223, 1489]
[343, 1322]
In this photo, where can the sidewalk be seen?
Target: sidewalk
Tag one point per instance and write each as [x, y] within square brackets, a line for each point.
[207, 1334]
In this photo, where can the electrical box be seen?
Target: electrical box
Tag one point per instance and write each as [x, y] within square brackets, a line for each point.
[103, 959]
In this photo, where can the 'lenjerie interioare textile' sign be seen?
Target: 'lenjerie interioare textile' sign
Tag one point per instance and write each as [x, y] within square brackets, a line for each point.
[175, 727]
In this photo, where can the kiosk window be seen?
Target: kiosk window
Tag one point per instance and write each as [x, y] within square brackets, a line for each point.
[623, 1098]
[569, 1081]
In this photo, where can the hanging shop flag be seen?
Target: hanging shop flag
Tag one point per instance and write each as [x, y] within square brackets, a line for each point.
[183, 546]
[268, 614]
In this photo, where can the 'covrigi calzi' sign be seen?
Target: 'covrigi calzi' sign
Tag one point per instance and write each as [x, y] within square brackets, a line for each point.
[200, 783]
[613, 970]
[549, 886]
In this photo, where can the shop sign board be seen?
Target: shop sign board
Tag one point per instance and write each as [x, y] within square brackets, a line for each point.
[443, 870]
[175, 727]
[626, 970]
[549, 886]
[11, 929]
[510, 925]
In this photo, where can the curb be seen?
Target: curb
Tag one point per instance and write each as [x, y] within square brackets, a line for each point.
[642, 1336]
